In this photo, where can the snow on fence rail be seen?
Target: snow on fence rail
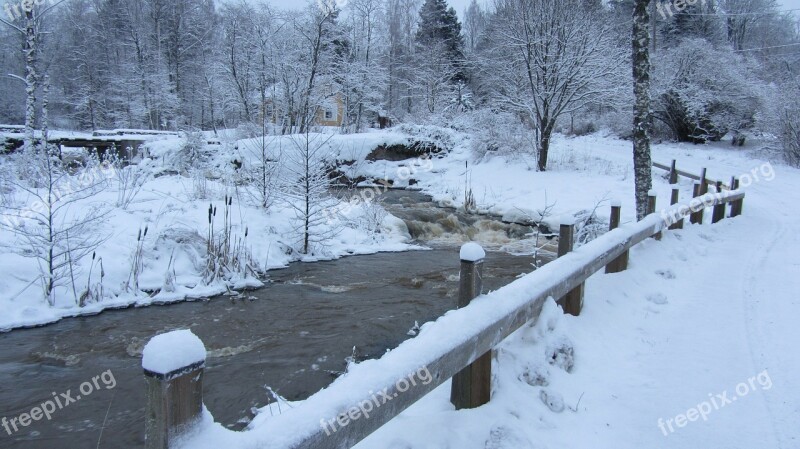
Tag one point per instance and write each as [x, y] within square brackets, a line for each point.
[458, 346]
[674, 172]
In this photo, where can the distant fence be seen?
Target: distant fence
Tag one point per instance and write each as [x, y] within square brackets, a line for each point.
[456, 346]
[675, 172]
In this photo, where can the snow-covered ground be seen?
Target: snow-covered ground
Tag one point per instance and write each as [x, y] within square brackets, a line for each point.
[693, 346]
[705, 311]
[173, 209]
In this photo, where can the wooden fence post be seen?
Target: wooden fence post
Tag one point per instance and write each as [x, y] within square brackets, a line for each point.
[719, 209]
[674, 200]
[173, 368]
[736, 206]
[673, 173]
[697, 217]
[472, 386]
[620, 263]
[703, 182]
[572, 302]
[651, 209]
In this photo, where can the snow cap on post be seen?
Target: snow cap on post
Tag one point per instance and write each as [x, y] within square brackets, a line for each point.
[567, 220]
[472, 252]
[652, 192]
[616, 203]
[170, 354]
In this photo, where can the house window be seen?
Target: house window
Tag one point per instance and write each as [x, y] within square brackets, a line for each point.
[329, 114]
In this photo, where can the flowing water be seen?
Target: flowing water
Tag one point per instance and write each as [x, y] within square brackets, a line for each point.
[290, 338]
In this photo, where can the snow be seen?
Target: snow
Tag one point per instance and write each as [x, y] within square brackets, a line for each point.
[174, 209]
[700, 312]
[472, 252]
[173, 351]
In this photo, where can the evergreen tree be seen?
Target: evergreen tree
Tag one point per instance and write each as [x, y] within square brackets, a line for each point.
[439, 28]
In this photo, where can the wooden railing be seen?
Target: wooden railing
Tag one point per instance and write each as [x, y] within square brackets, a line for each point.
[675, 172]
[457, 346]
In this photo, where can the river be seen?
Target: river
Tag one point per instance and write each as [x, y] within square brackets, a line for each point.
[290, 338]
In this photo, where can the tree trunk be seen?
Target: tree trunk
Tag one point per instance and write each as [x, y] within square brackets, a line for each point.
[642, 117]
[546, 126]
[544, 149]
[31, 77]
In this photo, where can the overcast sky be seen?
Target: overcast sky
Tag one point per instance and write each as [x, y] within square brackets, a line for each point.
[460, 5]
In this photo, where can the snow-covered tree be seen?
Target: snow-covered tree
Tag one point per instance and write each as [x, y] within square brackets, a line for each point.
[55, 222]
[30, 26]
[475, 22]
[546, 59]
[357, 66]
[700, 99]
[307, 189]
[642, 118]
[439, 38]
[742, 16]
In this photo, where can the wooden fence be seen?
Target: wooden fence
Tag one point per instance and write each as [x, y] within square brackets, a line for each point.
[705, 182]
[457, 346]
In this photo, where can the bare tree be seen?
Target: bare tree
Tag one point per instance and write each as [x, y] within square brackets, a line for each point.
[642, 118]
[741, 16]
[306, 188]
[30, 26]
[57, 223]
[400, 24]
[357, 70]
[475, 21]
[316, 30]
[263, 156]
[239, 24]
[547, 59]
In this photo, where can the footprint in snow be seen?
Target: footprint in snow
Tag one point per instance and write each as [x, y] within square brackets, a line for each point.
[658, 298]
[666, 274]
[554, 401]
[504, 437]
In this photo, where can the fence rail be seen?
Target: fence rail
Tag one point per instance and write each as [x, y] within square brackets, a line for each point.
[453, 344]
[705, 182]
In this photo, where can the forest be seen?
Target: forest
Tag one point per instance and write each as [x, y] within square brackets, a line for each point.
[519, 69]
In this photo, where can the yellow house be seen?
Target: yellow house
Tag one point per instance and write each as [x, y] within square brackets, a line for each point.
[331, 114]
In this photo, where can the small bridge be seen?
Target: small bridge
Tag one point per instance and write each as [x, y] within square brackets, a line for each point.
[125, 143]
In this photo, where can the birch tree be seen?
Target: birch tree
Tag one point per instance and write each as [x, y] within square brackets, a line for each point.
[642, 118]
[30, 27]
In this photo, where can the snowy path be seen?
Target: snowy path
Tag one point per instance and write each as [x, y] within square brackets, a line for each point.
[696, 316]
[769, 286]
